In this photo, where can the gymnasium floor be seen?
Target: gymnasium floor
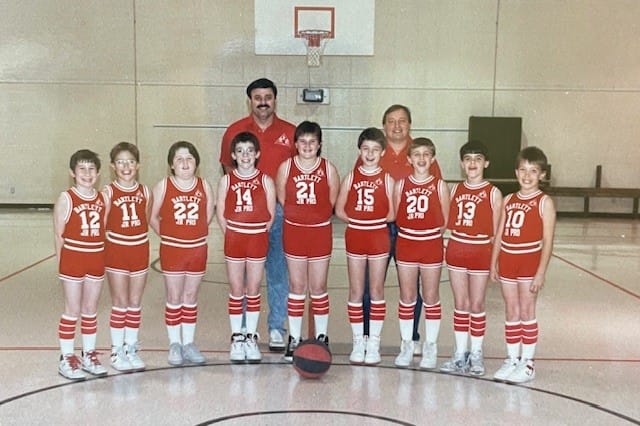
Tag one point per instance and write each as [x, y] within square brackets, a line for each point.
[588, 358]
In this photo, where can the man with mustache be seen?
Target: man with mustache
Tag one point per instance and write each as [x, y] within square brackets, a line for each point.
[276, 137]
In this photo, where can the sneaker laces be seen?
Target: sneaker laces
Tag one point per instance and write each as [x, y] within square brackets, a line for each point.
[93, 357]
[238, 338]
[73, 361]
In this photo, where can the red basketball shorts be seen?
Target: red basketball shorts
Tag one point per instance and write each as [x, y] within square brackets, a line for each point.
[307, 242]
[240, 247]
[514, 268]
[129, 260]
[367, 243]
[77, 266]
[426, 254]
[178, 260]
[474, 259]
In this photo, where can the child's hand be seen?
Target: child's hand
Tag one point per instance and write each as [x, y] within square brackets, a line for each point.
[537, 284]
[493, 273]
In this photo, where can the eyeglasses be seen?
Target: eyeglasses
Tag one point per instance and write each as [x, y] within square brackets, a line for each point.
[123, 163]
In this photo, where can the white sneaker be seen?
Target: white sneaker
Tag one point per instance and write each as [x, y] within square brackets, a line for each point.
[237, 352]
[276, 341]
[417, 348]
[70, 367]
[119, 360]
[372, 350]
[524, 372]
[507, 368]
[134, 359]
[192, 354]
[91, 364]
[406, 354]
[252, 351]
[358, 351]
[476, 363]
[429, 356]
[175, 354]
[458, 364]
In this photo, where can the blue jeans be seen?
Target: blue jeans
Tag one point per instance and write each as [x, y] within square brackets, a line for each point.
[366, 300]
[277, 275]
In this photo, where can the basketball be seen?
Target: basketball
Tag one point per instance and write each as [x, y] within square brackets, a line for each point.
[311, 359]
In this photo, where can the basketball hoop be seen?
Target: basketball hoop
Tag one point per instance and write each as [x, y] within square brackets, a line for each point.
[314, 39]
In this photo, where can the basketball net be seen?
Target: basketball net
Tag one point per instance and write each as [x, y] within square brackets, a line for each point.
[314, 39]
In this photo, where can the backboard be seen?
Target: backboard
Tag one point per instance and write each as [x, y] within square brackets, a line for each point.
[278, 24]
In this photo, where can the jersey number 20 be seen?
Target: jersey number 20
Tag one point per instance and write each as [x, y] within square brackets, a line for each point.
[417, 204]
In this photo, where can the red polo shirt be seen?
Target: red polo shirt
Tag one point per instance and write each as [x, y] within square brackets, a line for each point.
[276, 143]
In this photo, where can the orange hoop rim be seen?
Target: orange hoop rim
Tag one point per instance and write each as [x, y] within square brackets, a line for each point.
[314, 37]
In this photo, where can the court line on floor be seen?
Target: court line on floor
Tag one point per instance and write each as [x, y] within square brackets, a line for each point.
[19, 271]
[340, 412]
[580, 401]
[599, 277]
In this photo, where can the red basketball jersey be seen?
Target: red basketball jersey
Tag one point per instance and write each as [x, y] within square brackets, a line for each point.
[523, 223]
[127, 220]
[307, 200]
[471, 212]
[183, 215]
[84, 222]
[419, 215]
[245, 205]
[367, 204]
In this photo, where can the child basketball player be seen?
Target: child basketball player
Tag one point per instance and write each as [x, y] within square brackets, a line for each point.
[521, 254]
[365, 203]
[245, 211]
[78, 223]
[126, 254]
[473, 217]
[307, 187]
[422, 206]
[183, 207]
